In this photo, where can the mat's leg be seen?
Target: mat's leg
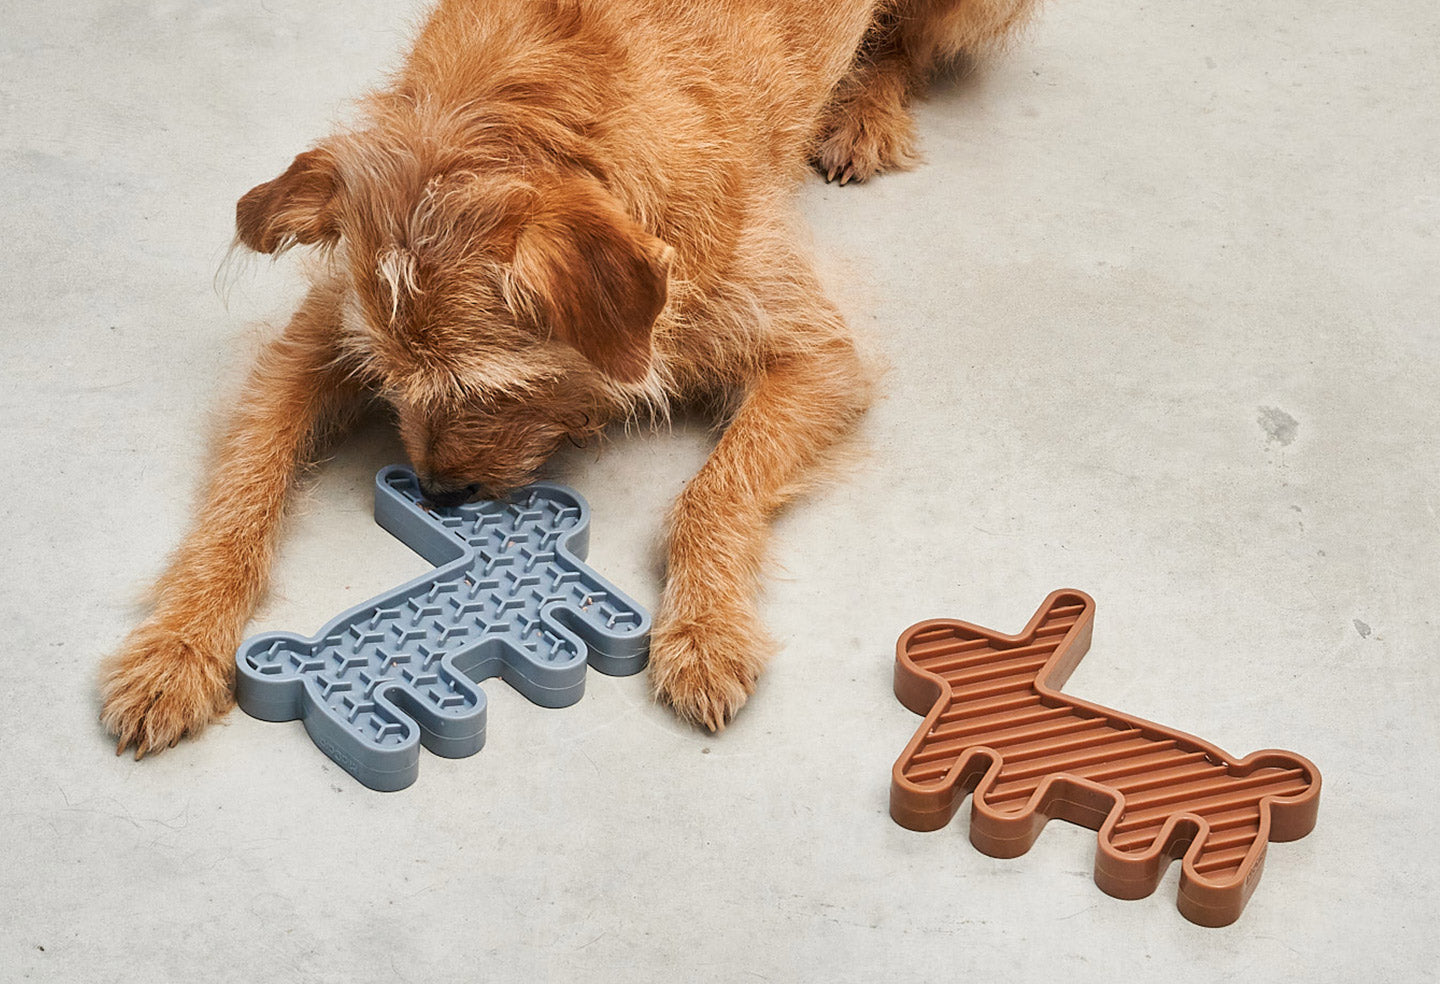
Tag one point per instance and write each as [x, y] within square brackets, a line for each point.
[174, 672]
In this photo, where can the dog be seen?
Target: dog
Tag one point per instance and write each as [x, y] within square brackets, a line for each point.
[559, 214]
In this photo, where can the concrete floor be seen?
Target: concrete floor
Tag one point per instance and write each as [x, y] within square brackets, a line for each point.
[1161, 316]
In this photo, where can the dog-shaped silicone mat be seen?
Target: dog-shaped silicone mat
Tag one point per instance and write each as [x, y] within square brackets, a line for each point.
[996, 723]
[510, 596]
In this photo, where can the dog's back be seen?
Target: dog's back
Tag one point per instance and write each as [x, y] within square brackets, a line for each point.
[734, 73]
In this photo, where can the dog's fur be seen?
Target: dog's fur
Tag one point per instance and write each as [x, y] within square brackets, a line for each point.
[558, 214]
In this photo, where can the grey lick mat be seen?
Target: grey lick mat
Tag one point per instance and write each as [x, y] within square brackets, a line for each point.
[510, 596]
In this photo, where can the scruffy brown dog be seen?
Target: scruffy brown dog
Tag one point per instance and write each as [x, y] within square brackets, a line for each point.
[560, 213]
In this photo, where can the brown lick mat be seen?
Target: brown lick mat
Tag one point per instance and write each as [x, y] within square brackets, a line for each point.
[996, 723]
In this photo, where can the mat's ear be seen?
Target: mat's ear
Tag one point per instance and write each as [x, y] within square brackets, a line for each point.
[297, 207]
[588, 272]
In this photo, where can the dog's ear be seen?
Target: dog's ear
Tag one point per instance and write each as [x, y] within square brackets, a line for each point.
[296, 207]
[594, 277]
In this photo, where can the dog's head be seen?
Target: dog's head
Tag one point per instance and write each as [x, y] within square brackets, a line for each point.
[497, 312]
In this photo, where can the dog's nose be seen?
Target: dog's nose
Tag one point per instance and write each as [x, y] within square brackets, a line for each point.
[444, 494]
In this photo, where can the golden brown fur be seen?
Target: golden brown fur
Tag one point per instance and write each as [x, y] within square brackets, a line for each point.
[560, 214]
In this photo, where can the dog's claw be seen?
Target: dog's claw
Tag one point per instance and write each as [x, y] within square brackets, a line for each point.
[704, 674]
[864, 140]
[158, 689]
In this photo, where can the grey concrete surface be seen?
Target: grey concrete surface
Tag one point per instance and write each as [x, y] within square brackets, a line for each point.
[1161, 318]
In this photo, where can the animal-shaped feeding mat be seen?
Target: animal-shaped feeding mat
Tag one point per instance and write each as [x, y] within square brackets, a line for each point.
[995, 723]
[510, 596]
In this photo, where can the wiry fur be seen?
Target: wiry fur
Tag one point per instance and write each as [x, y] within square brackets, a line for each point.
[866, 127]
[558, 214]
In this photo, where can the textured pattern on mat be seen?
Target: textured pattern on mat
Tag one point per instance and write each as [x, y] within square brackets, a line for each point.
[510, 597]
[995, 724]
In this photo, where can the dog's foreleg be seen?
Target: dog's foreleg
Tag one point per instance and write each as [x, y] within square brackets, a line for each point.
[174, 672]
[708, 645]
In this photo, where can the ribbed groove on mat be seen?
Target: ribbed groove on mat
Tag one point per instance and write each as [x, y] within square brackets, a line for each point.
[1077, 760]
[1242, 829]
[1001, 686]
[1110, 773]
[991, 722]
[1021, 727]
[1197, 791]
[1227, 820]
[1094, 735]
[959, 668]
[1164, 778]
[998, 714]
[1013, 668]
[1227, 799]
[1209, 863]
[1232, 838]
[1138, 778]
[940, 649]
[963, 709]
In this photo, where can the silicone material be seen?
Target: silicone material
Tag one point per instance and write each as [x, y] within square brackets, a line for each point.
[996, 724]
[510, 597]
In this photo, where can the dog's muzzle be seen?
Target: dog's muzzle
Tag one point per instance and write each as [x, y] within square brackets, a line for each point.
[441, 494]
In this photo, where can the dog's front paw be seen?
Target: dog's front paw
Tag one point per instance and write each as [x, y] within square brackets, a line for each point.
[865, 140]
[160, 687]
[706, 668]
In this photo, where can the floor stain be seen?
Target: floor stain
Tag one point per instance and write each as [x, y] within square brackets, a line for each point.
[1278, 425]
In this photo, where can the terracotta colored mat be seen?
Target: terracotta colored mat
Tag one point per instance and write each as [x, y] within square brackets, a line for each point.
[996, 724]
